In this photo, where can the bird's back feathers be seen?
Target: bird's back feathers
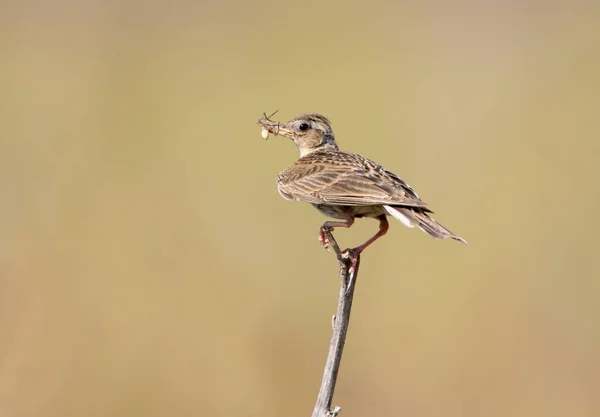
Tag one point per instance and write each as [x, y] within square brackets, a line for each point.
[330, 176]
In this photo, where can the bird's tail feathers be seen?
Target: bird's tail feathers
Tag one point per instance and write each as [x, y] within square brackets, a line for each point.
[414, 217]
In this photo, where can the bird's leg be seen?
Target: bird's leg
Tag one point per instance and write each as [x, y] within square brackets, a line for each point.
[355, 253]
[329, 226]
[383, 228]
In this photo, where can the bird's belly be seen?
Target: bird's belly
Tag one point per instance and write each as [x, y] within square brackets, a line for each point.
[340, 212]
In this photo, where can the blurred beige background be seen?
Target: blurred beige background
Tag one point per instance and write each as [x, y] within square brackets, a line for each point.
[148, 266]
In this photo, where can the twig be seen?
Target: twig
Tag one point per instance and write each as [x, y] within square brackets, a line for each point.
[340, 328]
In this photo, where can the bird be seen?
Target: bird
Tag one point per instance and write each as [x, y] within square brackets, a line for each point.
[344, 185]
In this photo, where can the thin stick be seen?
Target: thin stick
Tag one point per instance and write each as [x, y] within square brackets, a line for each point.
[340, 328]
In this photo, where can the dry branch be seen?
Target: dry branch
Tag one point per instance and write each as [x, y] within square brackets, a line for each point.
[340, 328]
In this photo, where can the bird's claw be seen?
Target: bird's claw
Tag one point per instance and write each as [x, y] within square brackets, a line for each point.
[323, 240]
[353, 256]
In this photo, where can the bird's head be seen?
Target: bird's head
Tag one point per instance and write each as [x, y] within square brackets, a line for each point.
[309, 131]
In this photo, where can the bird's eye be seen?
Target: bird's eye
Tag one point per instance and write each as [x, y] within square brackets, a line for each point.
[304, 127]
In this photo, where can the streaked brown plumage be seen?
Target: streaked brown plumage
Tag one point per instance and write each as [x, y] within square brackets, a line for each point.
[344, 185]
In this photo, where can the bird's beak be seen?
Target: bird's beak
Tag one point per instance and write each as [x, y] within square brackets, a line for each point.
[283, 131]
[274, 128]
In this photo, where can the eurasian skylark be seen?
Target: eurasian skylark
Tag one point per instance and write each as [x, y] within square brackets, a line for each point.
[344, 185]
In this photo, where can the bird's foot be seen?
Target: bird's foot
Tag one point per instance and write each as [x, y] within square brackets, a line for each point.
[323, 240]
[353, 255]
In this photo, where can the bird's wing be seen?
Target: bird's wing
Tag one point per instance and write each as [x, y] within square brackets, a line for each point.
[349, 183]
